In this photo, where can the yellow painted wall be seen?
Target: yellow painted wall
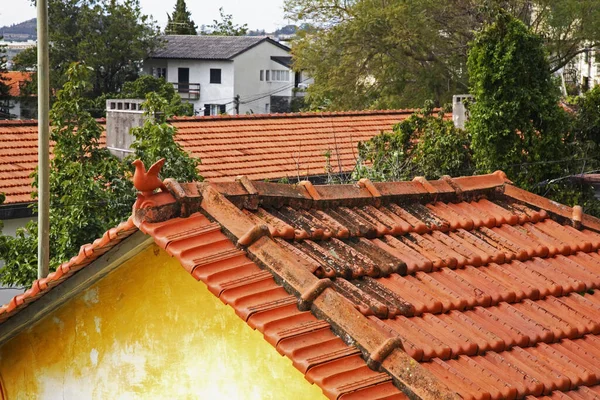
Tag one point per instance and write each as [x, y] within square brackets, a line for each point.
[147, 331]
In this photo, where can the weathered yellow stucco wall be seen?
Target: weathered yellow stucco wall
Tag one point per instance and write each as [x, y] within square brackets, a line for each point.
[151, 331]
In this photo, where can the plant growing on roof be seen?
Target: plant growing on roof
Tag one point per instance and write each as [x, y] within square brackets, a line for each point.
[425, 144]
[180, 22]
[516, 122]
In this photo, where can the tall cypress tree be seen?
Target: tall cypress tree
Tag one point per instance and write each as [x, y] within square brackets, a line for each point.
[180, 22]
[516, 122]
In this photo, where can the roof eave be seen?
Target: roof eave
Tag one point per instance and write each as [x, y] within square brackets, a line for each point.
[189, 58]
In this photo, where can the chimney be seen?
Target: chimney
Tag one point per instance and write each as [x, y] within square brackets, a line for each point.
[121, 116]
[459, 111]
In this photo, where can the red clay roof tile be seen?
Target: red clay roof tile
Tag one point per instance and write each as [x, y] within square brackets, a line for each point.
[489, 289]
[14, 80]
[261, 147]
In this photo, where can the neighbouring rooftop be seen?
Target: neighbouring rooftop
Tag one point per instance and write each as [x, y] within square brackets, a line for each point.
[15, 80]
[270, 146]
[456, 288]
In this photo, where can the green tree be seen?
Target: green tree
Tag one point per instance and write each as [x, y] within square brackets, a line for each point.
[373, 54]
[425, 144]
[156, 140]
[180, 22]
[90, 190]
[516, 121]
[112, 37]
[84, 177]
[225, 27]
[399, 53]
[586, 126]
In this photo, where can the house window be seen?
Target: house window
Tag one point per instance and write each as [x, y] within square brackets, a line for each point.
[159, 72]
[268, 75]
[262, 75]
[279, 75]
[267, 108]
[215, 109]
[215, 75]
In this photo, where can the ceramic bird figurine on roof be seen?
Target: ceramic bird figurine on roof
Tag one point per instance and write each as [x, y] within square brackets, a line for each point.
[147, 182]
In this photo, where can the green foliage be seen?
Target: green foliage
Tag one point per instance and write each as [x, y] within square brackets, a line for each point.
[369, 54]
[424, 144]
[90, 190]
[84, 178]
[19, 254]
[156, 140]
[225, 27]
[111, 37]
[516, 122]
[25, 60]
[587, 122]
[399, 53]
[4, 89]
[180, 22]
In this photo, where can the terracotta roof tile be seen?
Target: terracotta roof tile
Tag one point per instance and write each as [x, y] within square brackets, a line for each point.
[255, 296]
[466, 287]
[270, 146]
[484, 289]
[14, 80]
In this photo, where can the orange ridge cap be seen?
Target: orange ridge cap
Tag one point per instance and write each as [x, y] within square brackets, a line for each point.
[293, 115]
[295, 273]
[550, 206]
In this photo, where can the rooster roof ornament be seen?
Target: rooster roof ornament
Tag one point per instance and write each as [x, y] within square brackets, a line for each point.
[147, 182]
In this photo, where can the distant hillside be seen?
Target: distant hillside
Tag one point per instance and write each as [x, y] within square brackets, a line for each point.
[20, 32]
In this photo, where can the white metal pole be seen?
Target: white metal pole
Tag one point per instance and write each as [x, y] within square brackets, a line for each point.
[43, 75]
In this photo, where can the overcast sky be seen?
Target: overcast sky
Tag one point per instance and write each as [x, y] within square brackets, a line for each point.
[258, 14]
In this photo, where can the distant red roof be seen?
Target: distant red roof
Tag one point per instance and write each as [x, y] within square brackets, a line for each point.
[15, 79]
[261, 147]
[457, 288]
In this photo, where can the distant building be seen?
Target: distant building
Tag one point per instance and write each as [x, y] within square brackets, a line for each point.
[229, 74]
[14, 48]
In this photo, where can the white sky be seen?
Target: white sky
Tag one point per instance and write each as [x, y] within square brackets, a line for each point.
[258, 14]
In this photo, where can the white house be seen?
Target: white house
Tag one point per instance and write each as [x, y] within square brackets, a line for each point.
[228, 74]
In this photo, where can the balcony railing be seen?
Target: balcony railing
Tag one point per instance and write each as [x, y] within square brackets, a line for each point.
[188, 91]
